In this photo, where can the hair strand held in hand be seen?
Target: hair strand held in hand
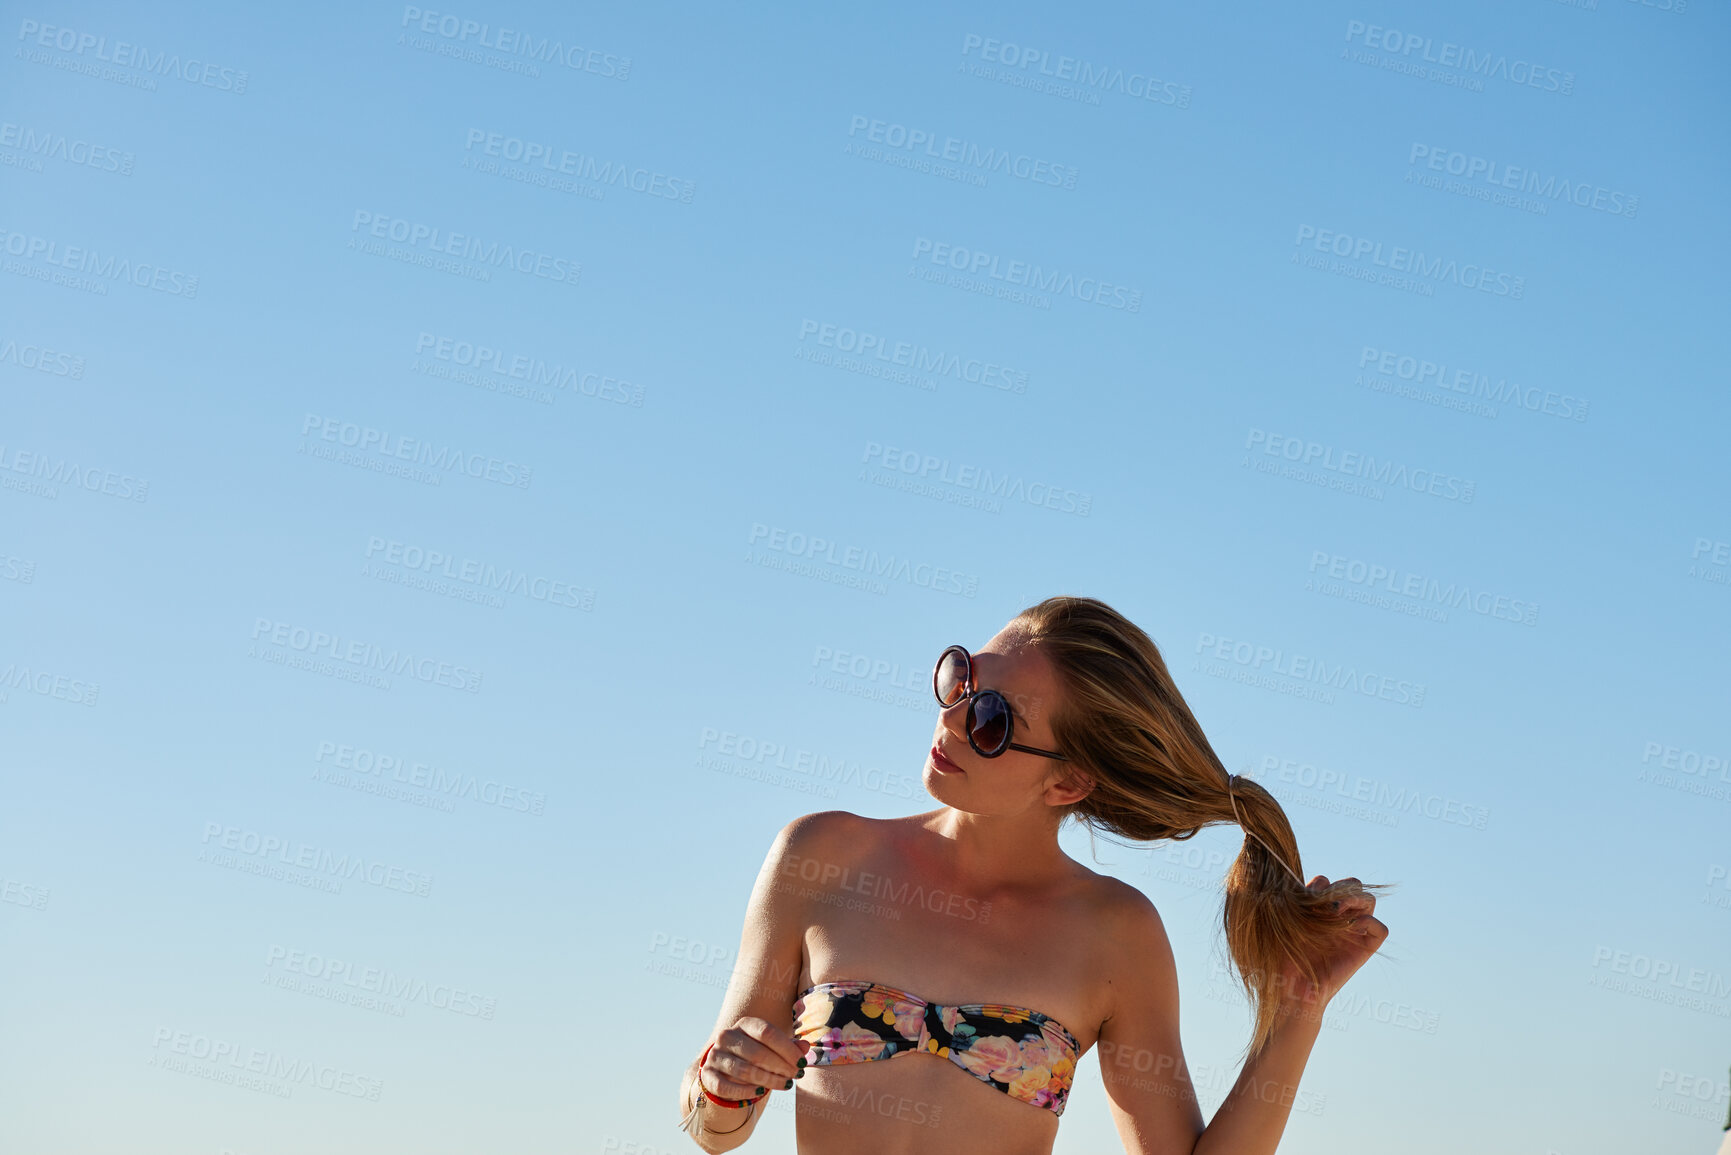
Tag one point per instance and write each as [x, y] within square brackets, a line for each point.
[1129, 731]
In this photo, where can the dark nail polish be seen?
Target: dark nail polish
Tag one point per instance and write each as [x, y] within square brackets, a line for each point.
[789, 1086]
[801, 1062]
[799, 1074]
[762, 1090]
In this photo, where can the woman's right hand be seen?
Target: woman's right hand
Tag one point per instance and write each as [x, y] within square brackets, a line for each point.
[750, 1058]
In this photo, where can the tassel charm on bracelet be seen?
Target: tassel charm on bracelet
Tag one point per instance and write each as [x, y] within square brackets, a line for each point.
[703, 1093]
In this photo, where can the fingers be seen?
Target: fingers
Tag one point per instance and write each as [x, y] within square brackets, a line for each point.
[1355, 901]
[731, 1077]
[769, 1046]
[726, 1086]
[739, 1057]
[1358, 904]
[1373, 929]
[1370, 932]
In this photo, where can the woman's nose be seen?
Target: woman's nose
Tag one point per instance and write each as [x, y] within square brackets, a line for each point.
[955, 718]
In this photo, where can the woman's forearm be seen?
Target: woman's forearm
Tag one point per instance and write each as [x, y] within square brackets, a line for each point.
[1253, 1117]
[724, 1118]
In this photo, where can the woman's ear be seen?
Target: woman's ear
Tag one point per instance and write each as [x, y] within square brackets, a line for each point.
[1073, 788]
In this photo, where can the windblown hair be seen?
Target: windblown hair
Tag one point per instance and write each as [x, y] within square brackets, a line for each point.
[1124, 725]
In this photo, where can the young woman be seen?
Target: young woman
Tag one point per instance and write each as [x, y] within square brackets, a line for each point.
[967, 935]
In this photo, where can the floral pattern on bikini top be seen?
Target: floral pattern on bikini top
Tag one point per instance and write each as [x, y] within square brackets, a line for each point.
[1027, 1055]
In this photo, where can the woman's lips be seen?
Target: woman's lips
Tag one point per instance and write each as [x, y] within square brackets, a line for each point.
[943, 764]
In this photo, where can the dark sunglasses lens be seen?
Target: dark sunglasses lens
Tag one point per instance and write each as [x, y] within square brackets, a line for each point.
[950, 677]
[989, 722]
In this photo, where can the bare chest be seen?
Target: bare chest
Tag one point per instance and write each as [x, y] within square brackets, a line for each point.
[876, 915]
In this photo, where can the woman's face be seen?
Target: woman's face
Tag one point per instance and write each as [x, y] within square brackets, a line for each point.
[1014, 781]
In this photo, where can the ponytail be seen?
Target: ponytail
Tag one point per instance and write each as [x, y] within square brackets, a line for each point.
[1276, 926]
[1155, 777]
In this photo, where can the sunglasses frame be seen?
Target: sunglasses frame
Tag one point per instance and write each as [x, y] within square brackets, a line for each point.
[971, 694]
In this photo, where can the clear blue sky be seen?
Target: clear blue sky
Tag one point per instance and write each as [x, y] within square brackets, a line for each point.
[429, 446]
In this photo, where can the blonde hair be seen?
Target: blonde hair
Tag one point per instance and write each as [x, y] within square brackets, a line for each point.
[1123, 724]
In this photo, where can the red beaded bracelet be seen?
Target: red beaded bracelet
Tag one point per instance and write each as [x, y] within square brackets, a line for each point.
[718, 1098]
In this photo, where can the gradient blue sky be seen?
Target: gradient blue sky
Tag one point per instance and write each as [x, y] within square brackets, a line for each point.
[118, 926]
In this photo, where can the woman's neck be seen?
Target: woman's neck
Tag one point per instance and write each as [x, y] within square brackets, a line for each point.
[987, 851]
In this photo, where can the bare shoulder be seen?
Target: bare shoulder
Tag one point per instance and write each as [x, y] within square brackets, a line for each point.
[822, 834]
[823, 825]
[1129, 913]
[1135, 935]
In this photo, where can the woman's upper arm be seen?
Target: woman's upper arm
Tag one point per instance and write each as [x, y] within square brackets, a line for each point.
[765, 979]
[1141, 1059]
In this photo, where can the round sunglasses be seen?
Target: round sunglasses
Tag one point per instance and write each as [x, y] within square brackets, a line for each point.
[990, 719]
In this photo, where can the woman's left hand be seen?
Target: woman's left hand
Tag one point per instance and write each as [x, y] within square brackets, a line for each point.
[1364, 937]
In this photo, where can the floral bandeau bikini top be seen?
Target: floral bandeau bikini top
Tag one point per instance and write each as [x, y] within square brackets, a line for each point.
[1027, 1055]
